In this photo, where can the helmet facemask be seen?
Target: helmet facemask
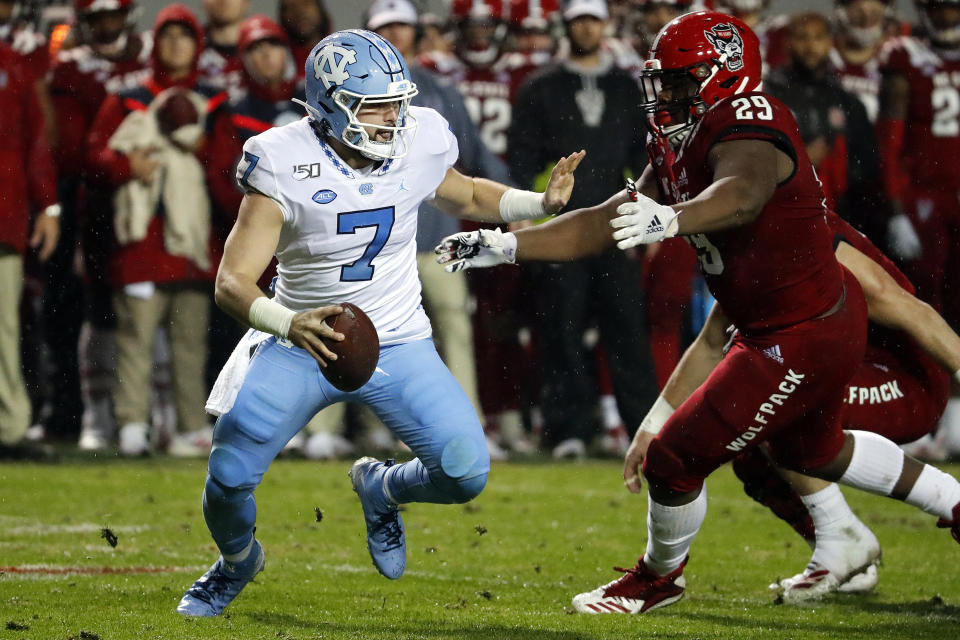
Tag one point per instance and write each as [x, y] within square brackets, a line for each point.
[673, 117]
[356, 135]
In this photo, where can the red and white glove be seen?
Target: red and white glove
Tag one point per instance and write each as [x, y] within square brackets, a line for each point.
[644, 221]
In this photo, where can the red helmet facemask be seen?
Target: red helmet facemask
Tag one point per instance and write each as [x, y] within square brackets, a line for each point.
[696, 61]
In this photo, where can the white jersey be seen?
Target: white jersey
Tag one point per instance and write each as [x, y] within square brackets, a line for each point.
[349, 235]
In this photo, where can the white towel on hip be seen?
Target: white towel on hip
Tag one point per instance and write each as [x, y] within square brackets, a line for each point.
[227, 386]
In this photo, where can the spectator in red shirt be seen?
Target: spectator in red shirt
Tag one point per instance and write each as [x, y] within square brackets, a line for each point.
[27, 181]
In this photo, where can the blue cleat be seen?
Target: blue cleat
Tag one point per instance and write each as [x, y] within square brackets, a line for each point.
[217, 588]
[385, 536]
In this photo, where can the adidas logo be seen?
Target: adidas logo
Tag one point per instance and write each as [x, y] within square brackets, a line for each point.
[774, 353]
[655, 225]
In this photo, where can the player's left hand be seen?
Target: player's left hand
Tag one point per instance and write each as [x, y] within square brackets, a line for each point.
[557, 194]
[633, 461]
[644, 221]
[46, 233]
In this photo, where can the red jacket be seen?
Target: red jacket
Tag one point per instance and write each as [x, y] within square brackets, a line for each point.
[27, 176]
[148, 259]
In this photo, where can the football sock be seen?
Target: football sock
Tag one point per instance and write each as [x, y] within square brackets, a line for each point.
[935, 492]
[230, 515]
[876, 465]
[671, 531]
[837, 528]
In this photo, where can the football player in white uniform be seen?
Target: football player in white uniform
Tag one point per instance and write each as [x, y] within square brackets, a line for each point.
[335, 198]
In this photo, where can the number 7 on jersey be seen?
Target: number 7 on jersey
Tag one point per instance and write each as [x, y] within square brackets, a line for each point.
[362, 268]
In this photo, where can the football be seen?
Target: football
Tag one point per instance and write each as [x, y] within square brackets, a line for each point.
[176, 111]
[357, 354]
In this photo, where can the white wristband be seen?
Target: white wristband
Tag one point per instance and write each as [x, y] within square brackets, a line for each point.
[516, 204]
[53, 210]
[272, 317]
[658, 415]
[509, 247]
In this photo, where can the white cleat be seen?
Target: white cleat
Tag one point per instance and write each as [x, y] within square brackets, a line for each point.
[191, 444]
[859, 575]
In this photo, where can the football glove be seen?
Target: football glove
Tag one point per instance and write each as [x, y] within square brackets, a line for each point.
[476, 250]
[643, 222]
[903, 238]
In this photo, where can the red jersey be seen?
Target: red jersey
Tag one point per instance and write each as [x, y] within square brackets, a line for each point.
[932, 141]
[862, 80]
[79, 83]
[488, 92]
[32, 46]
[221, 67]
[26, 168]
[780, 269]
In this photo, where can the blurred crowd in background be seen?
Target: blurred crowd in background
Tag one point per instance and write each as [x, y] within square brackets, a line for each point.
[117, 164]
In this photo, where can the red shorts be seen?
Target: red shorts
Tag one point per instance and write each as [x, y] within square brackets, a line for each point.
[783, 387]
[899, 393]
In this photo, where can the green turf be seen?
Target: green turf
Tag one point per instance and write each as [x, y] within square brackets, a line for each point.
[504, 566]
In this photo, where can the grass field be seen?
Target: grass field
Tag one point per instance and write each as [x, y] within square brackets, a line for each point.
[505, 566]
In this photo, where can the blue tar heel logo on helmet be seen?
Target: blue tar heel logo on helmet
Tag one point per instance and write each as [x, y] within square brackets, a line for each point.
[324, 196]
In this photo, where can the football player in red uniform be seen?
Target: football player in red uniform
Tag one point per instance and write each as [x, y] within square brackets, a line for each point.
[862, 26]
[531, 23]
[899, 391]
[109, 57]
[919, 126]
[745, 194]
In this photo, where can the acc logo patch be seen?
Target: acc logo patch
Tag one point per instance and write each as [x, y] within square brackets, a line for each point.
[727, 41]
[324, 196]
[330, 65]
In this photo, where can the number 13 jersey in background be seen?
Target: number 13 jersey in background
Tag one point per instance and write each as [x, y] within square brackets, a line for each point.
[350, 235]
[780, 269]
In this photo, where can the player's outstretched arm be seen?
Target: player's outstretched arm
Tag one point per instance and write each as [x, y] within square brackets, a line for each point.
[574, 235]
[488, 201]
[698, 361]
[247, 252]
[745, 175]
[892, 306]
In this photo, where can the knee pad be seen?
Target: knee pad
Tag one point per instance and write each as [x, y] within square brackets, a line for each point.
[464, 463]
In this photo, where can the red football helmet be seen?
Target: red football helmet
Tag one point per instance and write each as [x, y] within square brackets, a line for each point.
[939, 23]
[102, 33]
[696, 61]
[482, 26]
[534, 15]
[86, 7]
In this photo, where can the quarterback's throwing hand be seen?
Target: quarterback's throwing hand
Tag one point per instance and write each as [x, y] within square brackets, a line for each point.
[560, 186]
[476, 249]
[643, 222]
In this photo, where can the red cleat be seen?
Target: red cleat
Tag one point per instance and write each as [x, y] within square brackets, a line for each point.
[638, 591]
